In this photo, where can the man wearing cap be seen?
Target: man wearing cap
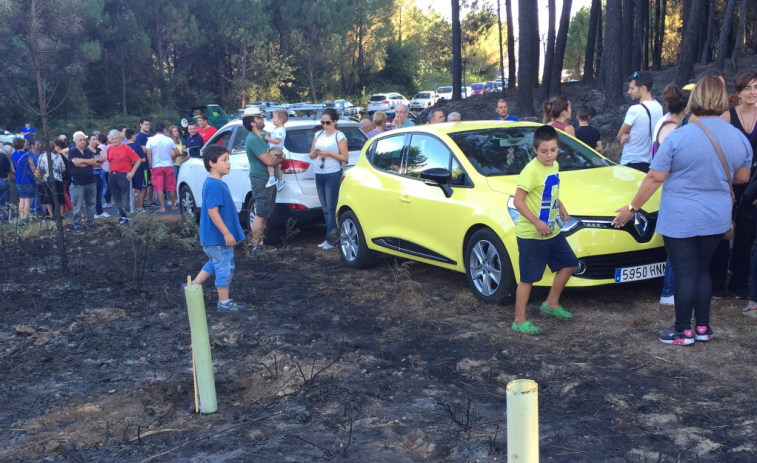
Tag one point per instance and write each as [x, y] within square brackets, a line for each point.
[260, 160]
[205, 130]
[636, 133]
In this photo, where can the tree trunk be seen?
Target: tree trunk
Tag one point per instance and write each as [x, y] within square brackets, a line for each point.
[457, 62]
[660, 10]
[647, 35]
[159, 42]
[627, 39]
[222, 78]
[536, 40]
[243, 71]
[688, 54]
[501, 51]
[739, 46]
[591, 41]
[510, 45]
[612, 58]
[549, 53]
[123, 82]
[707, 52]
[560, 44]
[360, 51]
[638, 37]
[600, 45]
[527, 47]
[725, 31]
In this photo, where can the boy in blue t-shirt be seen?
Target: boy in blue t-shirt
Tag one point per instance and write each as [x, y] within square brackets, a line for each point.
[219, 226]
[540, 242]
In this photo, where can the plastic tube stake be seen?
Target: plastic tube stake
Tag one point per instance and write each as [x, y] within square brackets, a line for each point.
[203, 363]
[194, 379]
[522, 421]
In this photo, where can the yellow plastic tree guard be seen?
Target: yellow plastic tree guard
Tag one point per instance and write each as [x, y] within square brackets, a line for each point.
[522, 421]
[203, 362]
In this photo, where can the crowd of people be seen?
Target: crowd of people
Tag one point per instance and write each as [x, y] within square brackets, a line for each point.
[128, 169]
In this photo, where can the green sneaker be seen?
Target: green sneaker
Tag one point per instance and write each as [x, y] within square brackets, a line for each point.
[558, 312]
[526, 328]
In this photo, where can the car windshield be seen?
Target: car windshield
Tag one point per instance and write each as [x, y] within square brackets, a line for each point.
[378, 98]
[477, 86]
[424, 96]
[444, 90]
[506, 151]
[216, 110]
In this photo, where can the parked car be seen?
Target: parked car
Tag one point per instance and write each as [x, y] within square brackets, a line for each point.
[217, 117]
[6, 137]
[298, 200]
[479, 89]
[423, 100]
[445, 93]
[345, 108]
[456, 178]
[390, 118]
[385, 102]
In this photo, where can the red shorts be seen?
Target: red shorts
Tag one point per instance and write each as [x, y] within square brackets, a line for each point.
[163, 179]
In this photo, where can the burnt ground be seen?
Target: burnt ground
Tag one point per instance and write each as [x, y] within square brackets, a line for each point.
[96, 365]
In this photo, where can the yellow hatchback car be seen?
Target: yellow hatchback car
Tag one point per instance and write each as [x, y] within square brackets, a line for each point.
[442, 194]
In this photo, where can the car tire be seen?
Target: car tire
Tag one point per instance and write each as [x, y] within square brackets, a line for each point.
[352, 245]
[482, 274]
[187, 203]
[184, 122]
[272, 234]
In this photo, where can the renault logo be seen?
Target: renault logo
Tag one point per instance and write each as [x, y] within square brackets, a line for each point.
[641, 223]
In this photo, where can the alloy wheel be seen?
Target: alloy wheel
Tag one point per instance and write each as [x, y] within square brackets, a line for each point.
[349, 240]
[485, 267]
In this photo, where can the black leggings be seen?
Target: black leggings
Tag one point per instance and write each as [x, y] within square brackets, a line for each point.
[690, 258]
[120, 189]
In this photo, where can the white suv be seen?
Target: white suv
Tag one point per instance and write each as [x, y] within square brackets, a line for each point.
[298, 199]
[385, 102]
[423, 100]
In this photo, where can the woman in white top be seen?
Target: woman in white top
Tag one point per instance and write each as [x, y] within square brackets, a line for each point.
[59, 170]
[329, 151]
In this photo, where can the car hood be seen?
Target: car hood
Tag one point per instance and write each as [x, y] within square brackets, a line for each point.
[590, 192]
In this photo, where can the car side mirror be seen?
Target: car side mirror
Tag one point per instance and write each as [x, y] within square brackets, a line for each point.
[438, 177]
[194, 152]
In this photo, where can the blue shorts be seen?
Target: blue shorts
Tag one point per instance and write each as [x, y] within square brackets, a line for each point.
[26, 191]
[535, 255]
[221, 264]
[138, 181]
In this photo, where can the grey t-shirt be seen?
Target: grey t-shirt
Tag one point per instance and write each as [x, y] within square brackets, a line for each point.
[696, 200]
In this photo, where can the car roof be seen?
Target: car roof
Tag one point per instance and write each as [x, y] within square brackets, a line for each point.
[461, 126]
[298, 123]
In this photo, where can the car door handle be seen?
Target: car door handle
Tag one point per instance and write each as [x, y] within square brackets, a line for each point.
[405, 199]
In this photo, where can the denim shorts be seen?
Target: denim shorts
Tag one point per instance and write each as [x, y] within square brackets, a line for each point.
[221, 264]
[26, 191]
[265, 198]
[535, 255]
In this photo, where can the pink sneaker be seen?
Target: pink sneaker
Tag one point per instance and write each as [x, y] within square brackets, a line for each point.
[703, 333]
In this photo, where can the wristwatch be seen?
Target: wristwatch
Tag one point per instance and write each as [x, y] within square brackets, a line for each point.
[632, 209]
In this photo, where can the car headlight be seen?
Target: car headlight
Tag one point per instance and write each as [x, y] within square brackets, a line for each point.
[514, 214]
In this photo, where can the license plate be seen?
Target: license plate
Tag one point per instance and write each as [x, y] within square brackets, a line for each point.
[641, 272]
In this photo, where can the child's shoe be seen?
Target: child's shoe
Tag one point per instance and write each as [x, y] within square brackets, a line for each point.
[558, 312]
[281, 184]
[679, 338]
[271, 182]
[703, 333]
[526, 328]
[230, 306]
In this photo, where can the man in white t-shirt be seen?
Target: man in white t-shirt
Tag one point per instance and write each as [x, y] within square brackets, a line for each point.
[637, 133]
[161, 152]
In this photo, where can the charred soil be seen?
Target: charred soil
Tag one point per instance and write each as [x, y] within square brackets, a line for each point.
[396, 363]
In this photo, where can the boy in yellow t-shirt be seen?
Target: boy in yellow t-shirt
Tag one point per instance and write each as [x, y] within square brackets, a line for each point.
[540, 242]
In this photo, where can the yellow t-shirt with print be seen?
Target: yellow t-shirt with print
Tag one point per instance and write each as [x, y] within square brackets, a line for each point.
[543, 186]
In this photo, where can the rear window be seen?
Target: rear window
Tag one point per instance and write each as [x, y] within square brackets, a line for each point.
[301, 140]
[423, 95]
[477, 86]
[378, 98]
[506, 151]
[444, 90]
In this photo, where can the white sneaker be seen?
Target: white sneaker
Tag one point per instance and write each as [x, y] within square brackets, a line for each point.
[327, 246]
[281, 184]
[669, 300]
[99, 216]
[325, 243]
[271, 182]
[104, 214]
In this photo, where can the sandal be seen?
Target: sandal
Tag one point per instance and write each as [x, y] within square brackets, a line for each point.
[750, 310]
[558, 312]
[526, 328]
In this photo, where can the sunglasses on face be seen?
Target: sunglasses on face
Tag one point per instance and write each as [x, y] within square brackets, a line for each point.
[327, 122]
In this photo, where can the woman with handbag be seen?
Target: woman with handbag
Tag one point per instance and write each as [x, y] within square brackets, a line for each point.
[330, 151]
[696, 170]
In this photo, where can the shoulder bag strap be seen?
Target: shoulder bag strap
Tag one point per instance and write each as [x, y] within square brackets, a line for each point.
[651, 135]
[720, 155]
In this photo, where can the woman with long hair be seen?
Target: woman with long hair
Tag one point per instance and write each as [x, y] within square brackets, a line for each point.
[329, 150]
[59, 170]
[557, 113]
[175, 133]
[696, 167]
